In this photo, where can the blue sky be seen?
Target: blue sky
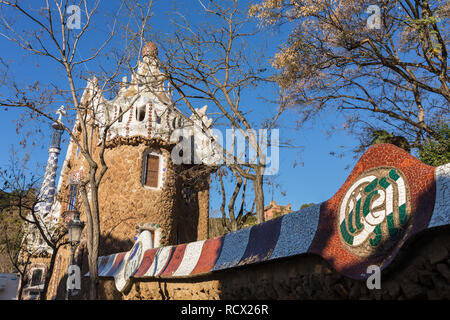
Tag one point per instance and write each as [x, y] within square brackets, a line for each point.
[315, 178]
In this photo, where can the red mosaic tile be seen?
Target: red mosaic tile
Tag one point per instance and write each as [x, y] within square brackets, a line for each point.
[174, 261]
[210, 253]
[146, 263]
[420, 179]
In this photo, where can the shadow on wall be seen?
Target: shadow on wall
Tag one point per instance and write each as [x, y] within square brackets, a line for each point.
[192, 204]
[420, 271]
[108, 245]
[187, 215]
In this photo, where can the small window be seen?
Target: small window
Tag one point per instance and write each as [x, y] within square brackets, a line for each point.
[72, 199]
[150, 173]
[120, 115]
[140, 113]
[36, 277]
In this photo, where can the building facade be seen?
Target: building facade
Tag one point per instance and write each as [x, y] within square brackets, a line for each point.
[143, 185]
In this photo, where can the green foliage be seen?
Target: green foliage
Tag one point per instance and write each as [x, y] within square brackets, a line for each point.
[277, 214]
[4, 200]
[216, 225]
[250, 221]
[306, 205]
[11, 233]
[382, 136]
[437, 152]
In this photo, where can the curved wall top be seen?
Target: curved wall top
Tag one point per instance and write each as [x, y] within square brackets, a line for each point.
[388, 197]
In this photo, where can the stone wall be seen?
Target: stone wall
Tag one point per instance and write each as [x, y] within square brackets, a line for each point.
[122, 193]
[125, 203]
[389, 199]
[192, 209]
[203, 200]
[313, 253]
[421, 270]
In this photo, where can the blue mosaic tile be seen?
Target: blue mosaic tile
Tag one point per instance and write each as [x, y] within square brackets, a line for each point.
[262, 240]
[297, 232]
[233, 248]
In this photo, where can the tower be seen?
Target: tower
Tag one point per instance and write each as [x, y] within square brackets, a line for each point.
[48, 187]
[47, 192]
[44, 212]
[143, 185]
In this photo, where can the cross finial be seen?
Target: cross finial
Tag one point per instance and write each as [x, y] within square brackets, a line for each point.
[61, 112]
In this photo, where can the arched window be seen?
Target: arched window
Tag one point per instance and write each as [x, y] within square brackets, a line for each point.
[120, 115]
[150, 169]
[72, 197]
[36, 277]
[140, 113]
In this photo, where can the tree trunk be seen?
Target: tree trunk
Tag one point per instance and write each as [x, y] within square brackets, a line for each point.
[93, 278]
[259, 195]
[234, 225]
[93, 268]
[92, 234]
[22, 283]
[48, 276]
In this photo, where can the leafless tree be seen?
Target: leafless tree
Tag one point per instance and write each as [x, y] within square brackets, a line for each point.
[214, 63]
[236, 221]
[53, 38]
[21, 238]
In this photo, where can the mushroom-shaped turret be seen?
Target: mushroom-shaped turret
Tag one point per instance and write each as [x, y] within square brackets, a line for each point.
[150, 50]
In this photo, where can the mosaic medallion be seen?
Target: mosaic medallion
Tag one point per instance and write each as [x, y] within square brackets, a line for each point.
[132, 260]
[374, 211]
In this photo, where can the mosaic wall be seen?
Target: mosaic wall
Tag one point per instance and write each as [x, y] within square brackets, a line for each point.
[388, 197]
[48, 187]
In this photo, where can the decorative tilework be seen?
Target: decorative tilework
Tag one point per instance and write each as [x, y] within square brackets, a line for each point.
[262, 240]
[441, 212]
[304, 223]
[46, 196]
[420, 179]
[210, 253]
[105, 264]
[118, 261]
[159, 263]
[190, 258]
[175, 260]
[233, 248]
[147, 261]
[424, 203]
[102, 262]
